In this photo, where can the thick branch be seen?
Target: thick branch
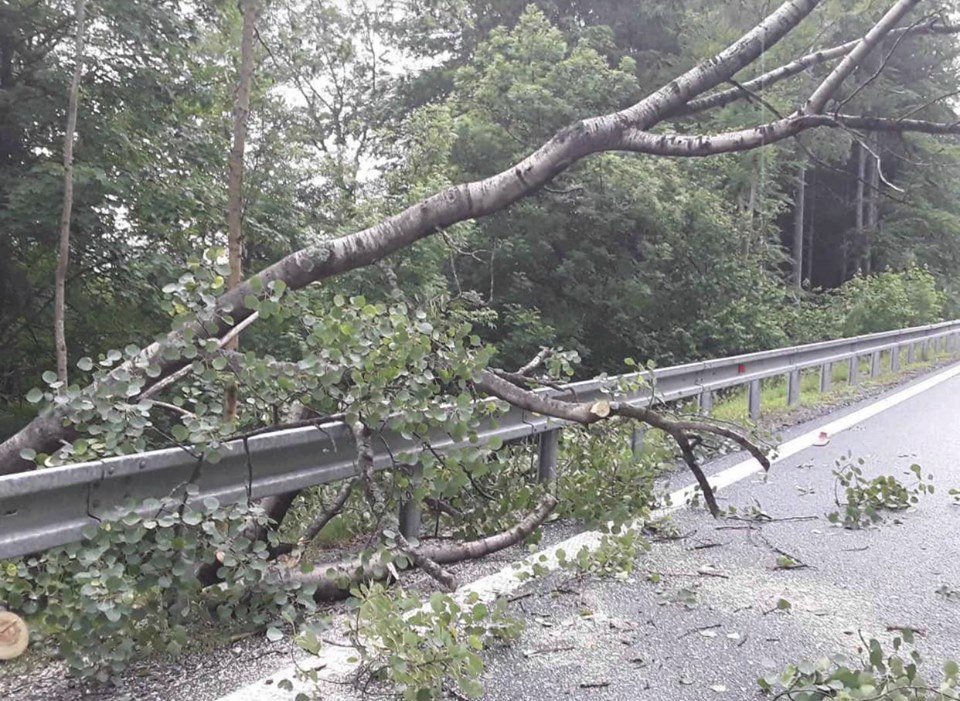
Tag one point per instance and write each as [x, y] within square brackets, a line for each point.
[585, 413]
[333, 581]
[688, 145]
[447, 580]
[827, 88]
[788, 70]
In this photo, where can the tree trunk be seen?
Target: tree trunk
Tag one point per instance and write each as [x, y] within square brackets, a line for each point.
[797, 272]
[861, 175]
[63, 255]
[241, 114]
[810, 215]
[873, 204]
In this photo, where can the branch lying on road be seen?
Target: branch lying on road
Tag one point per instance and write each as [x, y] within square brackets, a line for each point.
[334, 580]
[586, 413]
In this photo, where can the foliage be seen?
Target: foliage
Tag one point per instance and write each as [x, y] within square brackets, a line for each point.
[879, 674]
[130, 589]
[420, 648]
[865, 499]
[889, 300]
[615, 556]
[601, 481]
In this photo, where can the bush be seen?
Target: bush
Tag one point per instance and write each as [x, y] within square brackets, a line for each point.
[889, 300]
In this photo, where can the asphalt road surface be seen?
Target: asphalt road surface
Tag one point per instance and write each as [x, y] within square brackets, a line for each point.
[638, 640]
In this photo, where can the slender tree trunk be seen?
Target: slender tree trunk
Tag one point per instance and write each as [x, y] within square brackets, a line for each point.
[873, 205]
[861, 174]
[63, 255]
[797, 273]
[241, 114]
[810, 216]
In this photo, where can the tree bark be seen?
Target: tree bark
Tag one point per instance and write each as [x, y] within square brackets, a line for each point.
[873, 205]
[334, 580]
[797, 66]
[798, 221]
[811, 223]
[241, 114]
[861, 179]
[63, 255]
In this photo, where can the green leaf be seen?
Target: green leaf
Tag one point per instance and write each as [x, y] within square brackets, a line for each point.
[49, 376]
[85, 364]
[274, 634]
[34, 395]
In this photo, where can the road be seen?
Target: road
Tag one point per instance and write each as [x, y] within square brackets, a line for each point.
[633, 641]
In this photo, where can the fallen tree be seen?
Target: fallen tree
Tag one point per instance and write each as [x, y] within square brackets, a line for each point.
[631, 129]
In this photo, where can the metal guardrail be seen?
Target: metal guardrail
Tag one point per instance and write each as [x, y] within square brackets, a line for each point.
[50, 507]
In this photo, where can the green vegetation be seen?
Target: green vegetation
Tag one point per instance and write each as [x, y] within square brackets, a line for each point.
[358, 112]
[865, 500]
[879, 674]
[131, 587]
[422, 649]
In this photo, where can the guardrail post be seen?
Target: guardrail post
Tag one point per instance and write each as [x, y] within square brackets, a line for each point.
[706, 402]
[911, 353]
[753, 399]
[636, 441]
[549, 449]
[875, 364]
[410, 514]
[793, 388]
[895, 359]
[925, 350]
[853, 376]
[826, 377]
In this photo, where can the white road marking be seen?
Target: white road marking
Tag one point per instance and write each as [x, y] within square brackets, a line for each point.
[334, 663]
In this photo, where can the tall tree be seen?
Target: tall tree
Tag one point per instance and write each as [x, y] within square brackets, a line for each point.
[798, 222]
[241, 115]
[63, 256]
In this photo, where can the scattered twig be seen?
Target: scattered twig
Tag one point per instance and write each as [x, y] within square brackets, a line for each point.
[699, 630]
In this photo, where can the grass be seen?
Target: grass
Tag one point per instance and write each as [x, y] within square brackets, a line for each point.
[731, 405]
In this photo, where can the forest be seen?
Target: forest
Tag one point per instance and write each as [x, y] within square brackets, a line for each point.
[219, 218]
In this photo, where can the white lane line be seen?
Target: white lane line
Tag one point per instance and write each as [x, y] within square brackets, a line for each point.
[333, 662]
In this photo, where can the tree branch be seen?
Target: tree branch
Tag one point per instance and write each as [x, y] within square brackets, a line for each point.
[334, 580]
[788, 70]
[586, 413]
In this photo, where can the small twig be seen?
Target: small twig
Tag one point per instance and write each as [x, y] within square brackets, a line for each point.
[547, 650]
[699, 630]
[313, 530]
[698, 573]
